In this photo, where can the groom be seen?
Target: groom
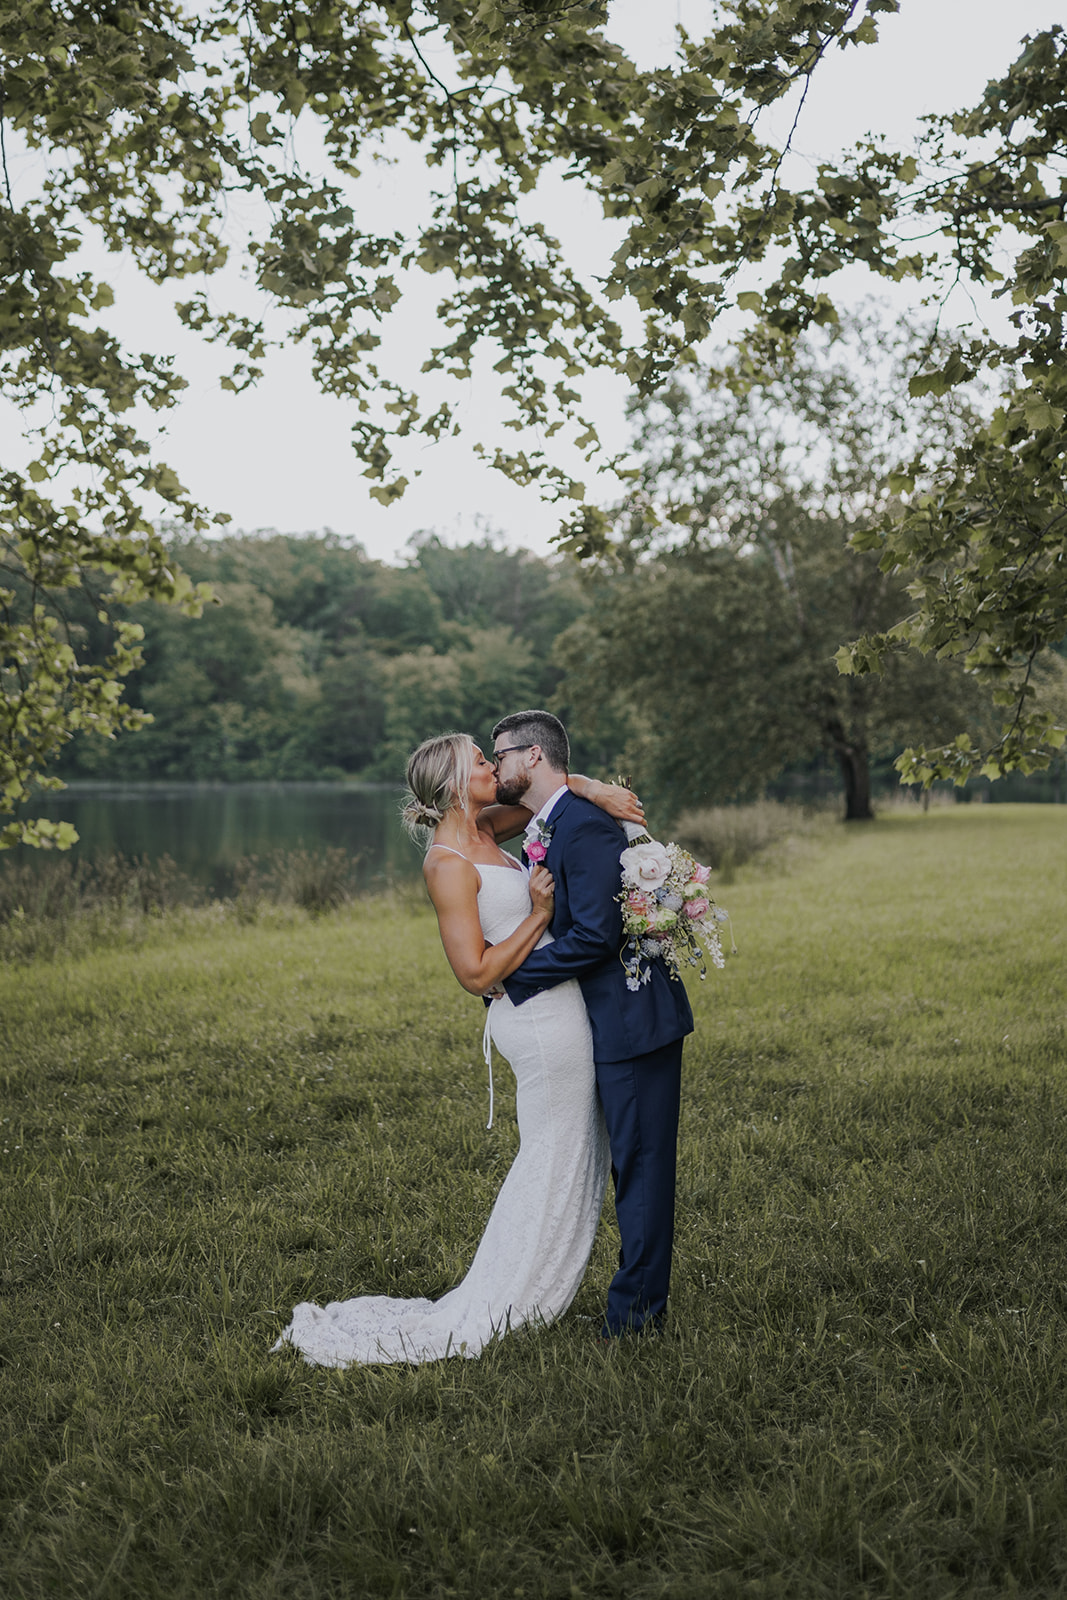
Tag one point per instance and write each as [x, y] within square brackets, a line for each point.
[637, 1035]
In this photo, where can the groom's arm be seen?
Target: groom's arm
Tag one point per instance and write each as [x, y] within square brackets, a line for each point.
[593, 880]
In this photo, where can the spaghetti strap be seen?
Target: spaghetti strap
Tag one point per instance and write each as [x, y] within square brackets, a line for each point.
[450, 850]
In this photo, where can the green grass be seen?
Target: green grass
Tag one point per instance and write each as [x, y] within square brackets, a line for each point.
[864, 1390]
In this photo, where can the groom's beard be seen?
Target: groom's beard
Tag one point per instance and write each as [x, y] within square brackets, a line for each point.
[510, 794]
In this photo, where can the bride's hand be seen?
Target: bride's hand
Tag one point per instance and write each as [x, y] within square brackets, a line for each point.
[618, 802]
[542, 890]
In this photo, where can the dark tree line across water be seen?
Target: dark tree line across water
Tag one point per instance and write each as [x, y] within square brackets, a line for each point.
[688, 674]
[318, 661]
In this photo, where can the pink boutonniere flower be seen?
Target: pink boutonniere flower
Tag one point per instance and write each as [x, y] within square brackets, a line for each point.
[536, 846]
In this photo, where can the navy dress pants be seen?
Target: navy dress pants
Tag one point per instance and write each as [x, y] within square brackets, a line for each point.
[640, 1098]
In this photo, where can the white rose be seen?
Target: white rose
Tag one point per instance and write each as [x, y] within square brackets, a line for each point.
[645, 866]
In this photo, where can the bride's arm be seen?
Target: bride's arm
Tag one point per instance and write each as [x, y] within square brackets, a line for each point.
[618, 801]
[505, 822]
[453, 887]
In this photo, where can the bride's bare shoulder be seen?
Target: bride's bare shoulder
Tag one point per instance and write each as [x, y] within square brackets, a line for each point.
[442, 855]
[446, 871]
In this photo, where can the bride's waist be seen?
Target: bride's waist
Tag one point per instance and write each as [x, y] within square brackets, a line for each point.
[498, 935]
[566, 995]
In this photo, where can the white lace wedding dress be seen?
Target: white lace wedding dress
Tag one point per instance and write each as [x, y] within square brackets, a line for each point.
[537, 1241]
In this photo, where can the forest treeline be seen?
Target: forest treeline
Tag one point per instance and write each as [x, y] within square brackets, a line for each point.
[318, 661]
[699, 674]
[698, 655]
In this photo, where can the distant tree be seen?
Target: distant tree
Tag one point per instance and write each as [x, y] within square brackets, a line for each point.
[315, 659]
[482, 585]
[714, 633]
[422, 697]
[484, 672]
[327, 588]
[228, 695]
[345, 728]
[497, 671]
[718, 674]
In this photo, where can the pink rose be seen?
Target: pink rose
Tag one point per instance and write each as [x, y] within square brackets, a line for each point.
[536, 851]
[696, 908]
[701, 874]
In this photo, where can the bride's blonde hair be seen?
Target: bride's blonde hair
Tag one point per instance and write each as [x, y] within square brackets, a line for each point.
[438, 778]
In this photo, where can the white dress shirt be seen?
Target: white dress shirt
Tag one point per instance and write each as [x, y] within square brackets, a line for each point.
[544, 813]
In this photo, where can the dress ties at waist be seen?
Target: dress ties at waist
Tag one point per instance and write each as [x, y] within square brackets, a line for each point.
[487, 1049]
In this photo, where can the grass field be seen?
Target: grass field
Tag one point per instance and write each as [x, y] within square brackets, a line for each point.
[864, 1387]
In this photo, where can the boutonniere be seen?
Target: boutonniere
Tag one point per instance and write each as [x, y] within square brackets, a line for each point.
[539, 839]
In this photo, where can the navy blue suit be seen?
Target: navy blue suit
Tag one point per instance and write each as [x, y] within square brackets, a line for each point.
[637, 1047]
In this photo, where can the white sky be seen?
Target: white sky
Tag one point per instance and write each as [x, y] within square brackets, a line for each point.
[279, 456]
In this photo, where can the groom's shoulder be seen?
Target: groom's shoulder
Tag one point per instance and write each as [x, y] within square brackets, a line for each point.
[584, 815]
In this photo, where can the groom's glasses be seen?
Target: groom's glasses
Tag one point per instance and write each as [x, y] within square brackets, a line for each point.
[498, 755]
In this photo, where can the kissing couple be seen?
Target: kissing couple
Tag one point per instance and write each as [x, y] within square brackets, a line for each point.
[597, 1064]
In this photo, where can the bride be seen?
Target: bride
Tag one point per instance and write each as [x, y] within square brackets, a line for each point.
[537, 1242]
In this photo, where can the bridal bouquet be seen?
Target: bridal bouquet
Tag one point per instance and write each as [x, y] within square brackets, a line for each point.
[667, 911]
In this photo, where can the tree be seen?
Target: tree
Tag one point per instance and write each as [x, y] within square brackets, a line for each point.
[151, 116]
[715, 625]
[986, 543]
[318, 660]
[465, 688]
[480, 585]
[347, 725]
[227, 696]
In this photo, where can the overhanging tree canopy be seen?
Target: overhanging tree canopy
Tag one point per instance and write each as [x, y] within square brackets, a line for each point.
[152, 117]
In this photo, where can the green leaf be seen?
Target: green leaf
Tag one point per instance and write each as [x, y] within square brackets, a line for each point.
[1039, 414]
[386, 493]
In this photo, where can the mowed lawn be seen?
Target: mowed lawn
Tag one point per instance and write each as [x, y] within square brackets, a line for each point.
[863, 1390]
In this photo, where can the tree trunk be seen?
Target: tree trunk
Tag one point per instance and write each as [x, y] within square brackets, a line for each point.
[853, 759]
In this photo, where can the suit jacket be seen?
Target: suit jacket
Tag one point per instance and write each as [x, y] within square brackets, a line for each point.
[583, 857]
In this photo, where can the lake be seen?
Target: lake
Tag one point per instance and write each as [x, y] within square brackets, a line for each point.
[207, 827]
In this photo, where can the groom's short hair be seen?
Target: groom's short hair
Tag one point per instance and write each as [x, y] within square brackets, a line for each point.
[539, 727]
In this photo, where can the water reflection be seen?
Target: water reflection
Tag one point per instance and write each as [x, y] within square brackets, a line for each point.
[207, 827]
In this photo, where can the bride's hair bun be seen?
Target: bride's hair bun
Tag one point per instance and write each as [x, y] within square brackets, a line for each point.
[439, 775]
[416, 813]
